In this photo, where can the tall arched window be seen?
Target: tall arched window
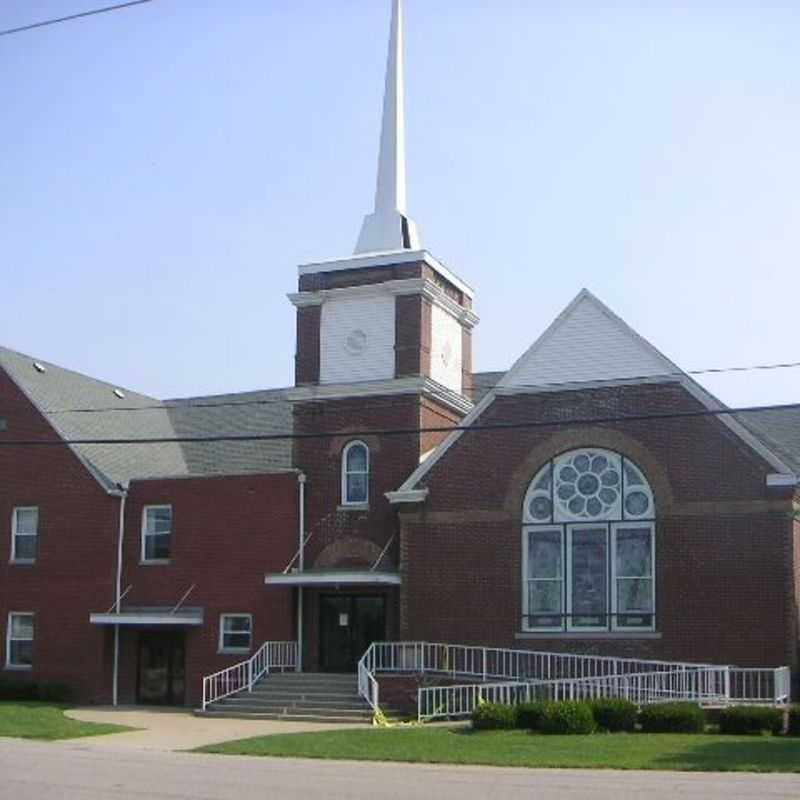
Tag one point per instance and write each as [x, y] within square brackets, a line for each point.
[588, 545]
[355, 474]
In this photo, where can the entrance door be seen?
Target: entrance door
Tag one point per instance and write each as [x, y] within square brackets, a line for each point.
[161, 669]
[349, 624]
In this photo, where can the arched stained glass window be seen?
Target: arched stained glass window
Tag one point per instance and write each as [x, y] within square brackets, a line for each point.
[588, 545]
[355, 474]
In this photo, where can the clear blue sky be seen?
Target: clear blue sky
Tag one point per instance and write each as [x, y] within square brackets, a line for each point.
[165, 168]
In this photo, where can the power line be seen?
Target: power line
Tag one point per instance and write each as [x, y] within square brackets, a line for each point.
[497, 426]
[189, 404]
[55, 21]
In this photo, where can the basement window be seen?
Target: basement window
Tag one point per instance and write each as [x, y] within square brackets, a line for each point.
[235, 633]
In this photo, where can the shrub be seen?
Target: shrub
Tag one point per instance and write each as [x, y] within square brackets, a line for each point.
[750, 720]
[794, 721]
[492, 717]
[529, 715]
[672, 718]
[567, 717]
[614, 715]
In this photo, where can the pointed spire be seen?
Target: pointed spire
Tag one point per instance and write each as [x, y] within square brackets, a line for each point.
[388, 228]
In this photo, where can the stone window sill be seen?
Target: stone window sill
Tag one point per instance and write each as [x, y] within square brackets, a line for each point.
[18, 668]
[576, 635]
[22, 562]
[353, 507]
[155, 562]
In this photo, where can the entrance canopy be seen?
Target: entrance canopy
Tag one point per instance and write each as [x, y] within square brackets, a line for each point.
[150, 618]
[333, 577]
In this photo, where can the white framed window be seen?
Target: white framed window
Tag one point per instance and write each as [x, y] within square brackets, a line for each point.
[355, 474]
[156, 534]
[19, 640]
[588, 545]
[235, 633]
[24, 534]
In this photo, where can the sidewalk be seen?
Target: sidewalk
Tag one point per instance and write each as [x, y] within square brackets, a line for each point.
[176, 729]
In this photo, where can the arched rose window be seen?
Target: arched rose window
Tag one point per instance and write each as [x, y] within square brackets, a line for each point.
[589, 545]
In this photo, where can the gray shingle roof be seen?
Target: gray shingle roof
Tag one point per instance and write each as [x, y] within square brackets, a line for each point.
[779, 430]
[80, 407]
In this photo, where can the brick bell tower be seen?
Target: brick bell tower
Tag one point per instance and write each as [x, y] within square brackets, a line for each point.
[391, 320]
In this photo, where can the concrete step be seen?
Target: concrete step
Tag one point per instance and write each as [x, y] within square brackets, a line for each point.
[351, 701]
[303, 694]
[341, 720]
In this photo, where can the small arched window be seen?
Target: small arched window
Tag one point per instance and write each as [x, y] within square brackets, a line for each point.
[588, 545]
[355, 474]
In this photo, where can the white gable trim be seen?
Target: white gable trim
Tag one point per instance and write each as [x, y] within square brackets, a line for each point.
[672, 373]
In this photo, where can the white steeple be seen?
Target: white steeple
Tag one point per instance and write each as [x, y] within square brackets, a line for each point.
[388, 228]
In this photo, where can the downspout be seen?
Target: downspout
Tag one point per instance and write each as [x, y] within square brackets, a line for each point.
[301, 533]
[123, 497]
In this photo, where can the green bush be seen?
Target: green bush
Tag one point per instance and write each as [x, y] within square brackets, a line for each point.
[567, 717]
[794, 721]
[612, 714]
[529, 715]
[672, 718]
[21, 690]
[492, 717]
[750, 720]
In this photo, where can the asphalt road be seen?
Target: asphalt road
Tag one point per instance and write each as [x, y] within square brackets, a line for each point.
[37, 771]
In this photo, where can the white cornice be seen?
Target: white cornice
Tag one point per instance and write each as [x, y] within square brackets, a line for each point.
[409, 286]
[407, 498]
[778, 480]
[394, 386]
[386, 259]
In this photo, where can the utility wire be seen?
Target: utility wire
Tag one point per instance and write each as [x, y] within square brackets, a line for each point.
[74, 16]
[188, 403]
[496, 426]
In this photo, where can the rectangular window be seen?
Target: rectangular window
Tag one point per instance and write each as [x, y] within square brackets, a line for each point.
[24, 535]
[235, 633]
[156, 533]
[545, 578]
[19, 641]
[587, 596]
[633, 595]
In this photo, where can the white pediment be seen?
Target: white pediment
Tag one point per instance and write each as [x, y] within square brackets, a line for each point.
[587, 343]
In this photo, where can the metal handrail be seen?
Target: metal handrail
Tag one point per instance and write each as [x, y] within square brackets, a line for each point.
[242, 676]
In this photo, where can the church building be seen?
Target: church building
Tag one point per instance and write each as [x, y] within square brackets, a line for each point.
[592, 499]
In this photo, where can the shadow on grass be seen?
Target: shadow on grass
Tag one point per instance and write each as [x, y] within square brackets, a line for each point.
[757, 754]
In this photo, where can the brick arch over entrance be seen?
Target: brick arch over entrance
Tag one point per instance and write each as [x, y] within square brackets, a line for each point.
[351, 552]
[604, 438]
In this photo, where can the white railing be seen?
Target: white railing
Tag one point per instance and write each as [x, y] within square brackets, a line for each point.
[242, 676]
[760, 686]
[528, 675]
[706, 685]
[491, 663]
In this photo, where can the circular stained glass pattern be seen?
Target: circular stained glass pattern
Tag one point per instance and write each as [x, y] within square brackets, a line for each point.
[588, 484]
[637, 504]
[541, 507]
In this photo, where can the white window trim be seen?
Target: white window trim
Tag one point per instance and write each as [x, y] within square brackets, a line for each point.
[221, 643]
[571, 528]
[348, 447]
[11, 615]
[15, 533]
[143, 552]
[526, 609]
[650, 526]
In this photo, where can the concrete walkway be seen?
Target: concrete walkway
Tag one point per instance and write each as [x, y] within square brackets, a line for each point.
[176, 729]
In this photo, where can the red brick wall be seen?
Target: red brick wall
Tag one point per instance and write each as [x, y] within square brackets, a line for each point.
[74, 571]
[228, 532]
[723, 540]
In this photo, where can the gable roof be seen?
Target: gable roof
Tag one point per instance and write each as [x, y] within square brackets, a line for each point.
[79, 407]
[587, 344]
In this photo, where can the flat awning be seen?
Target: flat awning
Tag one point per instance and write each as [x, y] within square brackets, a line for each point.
[333, 577]
[150, 618]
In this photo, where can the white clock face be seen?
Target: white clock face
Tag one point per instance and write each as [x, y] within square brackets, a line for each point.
[356, 342]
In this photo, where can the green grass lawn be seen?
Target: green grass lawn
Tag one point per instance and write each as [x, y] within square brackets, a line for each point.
[523, 749]
[46, 721]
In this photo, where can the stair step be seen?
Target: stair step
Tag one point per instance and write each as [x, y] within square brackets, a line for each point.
[349, 720]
